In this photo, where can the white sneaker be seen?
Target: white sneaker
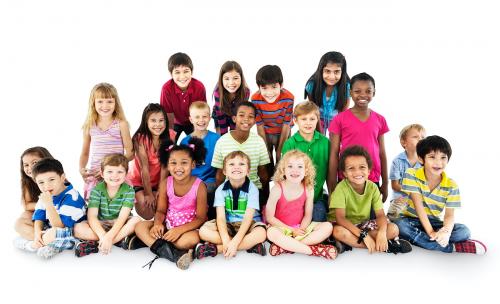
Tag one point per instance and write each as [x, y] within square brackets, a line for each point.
[24, 244]
[47, 252]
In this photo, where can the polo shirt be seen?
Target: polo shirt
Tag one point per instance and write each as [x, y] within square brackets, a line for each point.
[237, 201]
[205, 171]
[275, 114]
[109, 208]
[174, 100]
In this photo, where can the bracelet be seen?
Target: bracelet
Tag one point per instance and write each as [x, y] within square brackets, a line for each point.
[362, 235]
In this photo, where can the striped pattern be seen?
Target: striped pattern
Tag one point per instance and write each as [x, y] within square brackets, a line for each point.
[221, 120]
[104, 142]
[273, 115]
[109, 208]
[445, 195]
[248, 197]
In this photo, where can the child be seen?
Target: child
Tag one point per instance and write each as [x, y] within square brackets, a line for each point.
[329, 88]
[360, 126]
[289, 210]
[199, 116]
[58, 209]
[238, 225]
[29, 190]
[409, 137]
[105, 131]
[317, 147]
[350, 207]
[252, 144]
[432, 195]
[274, 107]
[230, 89]
[182, 209]
[178, 93]
[145, 172]
[110, 204]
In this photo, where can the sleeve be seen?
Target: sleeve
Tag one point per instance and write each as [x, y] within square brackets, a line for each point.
[129, 198]
[218, 157]
[289, 111]
[338, 198]
[258, 114]
[410, 183]
[185, 140]
[453, 199]
[72, 208]
[263, 154]
[309, 87]
[247, 93]
[219, 197]
[40, 213]
[216, 111]
[253, 197]
[376, 198]
[165, 99]
[395, 172]
[287, 146]
[336, 125]
[200, 94]
[95, 199]
[384, 128]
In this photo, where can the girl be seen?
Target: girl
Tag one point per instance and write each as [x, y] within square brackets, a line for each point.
[105, 131]
[145, 171]
[230, 89]
[328, 88]
[183, 209]
[289, 210]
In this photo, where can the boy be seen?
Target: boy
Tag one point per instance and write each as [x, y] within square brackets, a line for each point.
[408, 137]
[317, 147]
[274, 107]
[238, 225]
[350, 206]
[56, 212]
[178, 93]
[199, 116]
[252, 144]
[110, 204]
[432, 194]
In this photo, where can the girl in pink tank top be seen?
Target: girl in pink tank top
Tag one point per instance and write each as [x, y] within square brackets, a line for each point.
[289, 210]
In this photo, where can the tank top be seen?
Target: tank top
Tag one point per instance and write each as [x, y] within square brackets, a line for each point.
[291, 212]
[104, 142]
[181, 209]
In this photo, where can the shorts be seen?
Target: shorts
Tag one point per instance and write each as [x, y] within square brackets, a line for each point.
[64, 239]
[233, 228]
[141, 188]
[108, 224]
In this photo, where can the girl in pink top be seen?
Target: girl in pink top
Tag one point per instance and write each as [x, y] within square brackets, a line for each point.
[182, 205]
[360, 126]
[145, 172]
[289, 210]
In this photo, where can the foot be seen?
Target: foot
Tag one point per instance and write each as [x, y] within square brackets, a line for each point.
[275, 250]
[47, 252]
[204, 250]
[342, 247]
[86, 247]
[260, 249]
[327, 251]
[24, 244]
[398, 246]
[470, 246]
[132, 242]
[185, 260]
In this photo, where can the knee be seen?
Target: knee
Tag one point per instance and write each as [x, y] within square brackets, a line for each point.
[143, 211]
[461, 232]
[142, 226]
[79, 229]
[340, 232]
[188, 241]
[326, 227]
[392, 231]
[403, 228]
[273, 233]
[260, 234]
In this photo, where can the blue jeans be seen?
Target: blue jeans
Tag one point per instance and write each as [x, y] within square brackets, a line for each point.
[412, 230]
[320, 209]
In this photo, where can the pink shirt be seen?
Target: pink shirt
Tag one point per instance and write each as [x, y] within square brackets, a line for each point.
[181, 209]
[353, 131]
[291, 212]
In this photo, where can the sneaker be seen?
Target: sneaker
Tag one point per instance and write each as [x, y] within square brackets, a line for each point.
[203, 250]
[132, 242]
[24, 244]
[260, 249]
[398, 246]
[470, 246]
[86, 247]
[185, 260]
[47, 252]
[341, 247]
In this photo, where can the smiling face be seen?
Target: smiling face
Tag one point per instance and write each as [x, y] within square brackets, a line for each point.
[434, 163]
[413, 136]
[105, 107]
[199, 118]
[270, 92]
[156, 123]
[182, 76]
[51, 182]
[356, 170]
[307, 123]
[236, 168]
[231, 81]
[332, 73]
[295, 170]
[114, 176]
[244, 119]
[180, 164]
[362, 92]
[29, 160]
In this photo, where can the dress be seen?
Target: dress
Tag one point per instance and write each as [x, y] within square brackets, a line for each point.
[181, 209]
[290, 212]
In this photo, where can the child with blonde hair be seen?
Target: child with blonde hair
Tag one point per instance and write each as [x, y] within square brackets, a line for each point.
[289, 210]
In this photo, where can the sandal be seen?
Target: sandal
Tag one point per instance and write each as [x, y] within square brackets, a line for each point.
[327, 251]
[275, 250]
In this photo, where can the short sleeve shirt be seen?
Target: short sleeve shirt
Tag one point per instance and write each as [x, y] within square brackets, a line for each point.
[205, 171]
[109, 208]
[398, 168]
[237, 201]
[176, 101]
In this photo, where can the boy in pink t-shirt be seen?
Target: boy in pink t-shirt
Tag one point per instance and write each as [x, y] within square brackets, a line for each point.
[360, 126]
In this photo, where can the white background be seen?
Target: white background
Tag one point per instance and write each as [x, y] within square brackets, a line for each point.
[434, 62]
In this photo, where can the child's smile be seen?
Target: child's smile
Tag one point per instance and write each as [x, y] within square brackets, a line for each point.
[362, 92]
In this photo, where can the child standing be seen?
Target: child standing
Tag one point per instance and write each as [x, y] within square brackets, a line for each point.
[238, 225]
[105, 131]
[199, 116]
[434, 196]
[289, 210]
[145, 172]
[274, 107]
[230, 89]
[329, 88]
[178, 93]
[408, 137]
[110, 204]
[360, 126]
[350, 207]
[182, 207]
[317, 147]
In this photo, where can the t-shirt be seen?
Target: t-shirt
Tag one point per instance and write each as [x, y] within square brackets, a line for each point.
[222, 120]
[318, 149]
[69, 205]
[398, 168]
[445, 195]
[174, 100]
[353, 131]
[254, 147]
[273, 115]
[357, 206]
[236, 201]
[205, 171]
[109, 208]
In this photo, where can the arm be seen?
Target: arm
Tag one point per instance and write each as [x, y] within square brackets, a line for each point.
[158, 228]
[38, 226]
[219, 177]
[27, 201]
[443, 235]
[381, 240]
[342, 221]
[171, 118]
[222, 228]
[395, 185]
[127, 140]
[146, 179]
[262, 133]
[50, 210]
[84, 155]
[108, 239]
[233, 245]
[285, 133]
[333, 161]
[383, 166]
[308, 209]
[263, 175]
[422, 216]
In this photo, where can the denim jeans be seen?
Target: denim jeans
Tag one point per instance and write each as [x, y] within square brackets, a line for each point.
[412, 230]
[320, 209]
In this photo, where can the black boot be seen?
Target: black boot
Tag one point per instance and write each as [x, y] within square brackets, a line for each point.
[167, 250]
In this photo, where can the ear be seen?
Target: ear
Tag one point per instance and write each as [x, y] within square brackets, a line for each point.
[420, 160]
[193, 165]
[63, 176]
[374, 91]
[233, 118]
[191, 119]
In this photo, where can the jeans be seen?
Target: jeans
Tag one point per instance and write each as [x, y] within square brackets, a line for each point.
[320, 209]
[412, 230]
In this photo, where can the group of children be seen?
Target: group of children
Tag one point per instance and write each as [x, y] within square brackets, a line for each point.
[210, 193]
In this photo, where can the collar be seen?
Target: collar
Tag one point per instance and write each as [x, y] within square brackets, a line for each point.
[178, 91]
[57, 198]
[299, 137]
[420, 174]
[244, 187]
[102, 187]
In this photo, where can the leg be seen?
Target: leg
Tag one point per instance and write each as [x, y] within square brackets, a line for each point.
[459, 233]
[24, 226]
[142, 231]
[255, 236]
[320, 233]
[127, 229]
[83, 231]
[208, 232]
[142, 210]
[392, 231]
[410, 229]
[188, 240]
[345, 236]
[49, 236]
[276, 236]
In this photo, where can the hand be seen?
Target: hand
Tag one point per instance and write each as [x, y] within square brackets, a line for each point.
[231, 249]
[381, 242]
[442, 237]
[46, 198]
[105, 244]
[432, 235]
[156, 231]
[298, 231]
[369, 243]
[98, 174]
[384, 190]
[173, 234]
[85, 173]
[38, 240]
[150, 201]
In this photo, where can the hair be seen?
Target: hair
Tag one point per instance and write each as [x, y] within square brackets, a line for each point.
[433, 143]
[310, 174]
[304, 108]
[197, 152]
[102, 90]
[179, 59]
[319, 85]
[200, 105]
[47, 164]
[269, 74]
[143, 129]
[233, 155]
[240, 95]
[405, 130]
[362, 77]
[244, 104]
[28, 185]
[354, 151]
[114, 159]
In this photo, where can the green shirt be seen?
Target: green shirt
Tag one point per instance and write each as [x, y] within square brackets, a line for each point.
[318, 149]
[357, 206]
[109, 208]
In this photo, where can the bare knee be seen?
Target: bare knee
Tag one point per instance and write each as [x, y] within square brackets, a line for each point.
[326, 227]
[187, 240]
[146, 213]
[340, 232]
[259, 234]
[273, 233]
[392, 231]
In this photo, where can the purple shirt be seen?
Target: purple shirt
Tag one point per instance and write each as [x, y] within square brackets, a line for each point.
[174, 100]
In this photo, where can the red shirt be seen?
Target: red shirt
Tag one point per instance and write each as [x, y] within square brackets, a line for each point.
[174, 100]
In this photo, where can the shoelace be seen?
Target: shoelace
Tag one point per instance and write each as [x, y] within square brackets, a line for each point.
[150, 263]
